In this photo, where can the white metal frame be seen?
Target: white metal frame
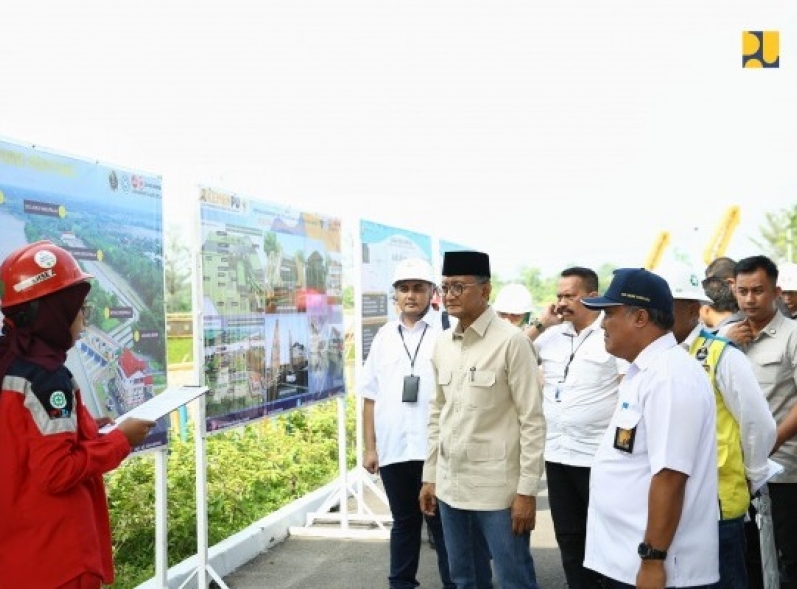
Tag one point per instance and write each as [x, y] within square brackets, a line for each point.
[351, 484]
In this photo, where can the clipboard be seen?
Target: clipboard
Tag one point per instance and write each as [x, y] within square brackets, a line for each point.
[159, 405]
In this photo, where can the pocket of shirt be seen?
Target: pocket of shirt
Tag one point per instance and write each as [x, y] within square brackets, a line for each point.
[444, 382]
[766, 368]
[627, 418]
[479, 389]
[487, 460]
[593, 367]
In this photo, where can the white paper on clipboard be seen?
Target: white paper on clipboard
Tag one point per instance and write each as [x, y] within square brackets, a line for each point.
[160, 405]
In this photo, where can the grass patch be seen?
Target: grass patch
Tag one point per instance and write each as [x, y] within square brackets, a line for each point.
[179, 349]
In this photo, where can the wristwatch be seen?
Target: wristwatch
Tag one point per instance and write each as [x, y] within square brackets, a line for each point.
[538, 325]
[647, 552]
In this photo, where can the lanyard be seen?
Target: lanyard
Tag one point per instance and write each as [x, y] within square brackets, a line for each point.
[573, 353]
[412, 357]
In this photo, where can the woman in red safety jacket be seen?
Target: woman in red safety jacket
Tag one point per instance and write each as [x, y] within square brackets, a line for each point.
[54, 524]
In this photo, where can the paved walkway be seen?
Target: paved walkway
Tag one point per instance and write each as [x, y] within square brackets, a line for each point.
[334, 563]
[302, 562]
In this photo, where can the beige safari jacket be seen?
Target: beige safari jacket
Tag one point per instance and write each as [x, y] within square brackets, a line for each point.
[486, 423]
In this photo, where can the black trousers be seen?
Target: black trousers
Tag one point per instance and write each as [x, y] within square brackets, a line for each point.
[402, 482]
[568, 496]
[784, 523]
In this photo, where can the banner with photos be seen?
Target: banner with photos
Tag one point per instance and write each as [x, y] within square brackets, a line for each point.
[272, 308]
[111, 220]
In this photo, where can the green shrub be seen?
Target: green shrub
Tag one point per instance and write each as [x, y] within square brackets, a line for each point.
[251, 471]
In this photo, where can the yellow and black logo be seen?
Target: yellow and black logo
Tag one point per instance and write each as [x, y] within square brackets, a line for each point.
[760, 49]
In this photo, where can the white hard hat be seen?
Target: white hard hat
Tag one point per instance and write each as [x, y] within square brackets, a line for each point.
[413, 269]
[787, 276]
[684, 282]
[514, 299]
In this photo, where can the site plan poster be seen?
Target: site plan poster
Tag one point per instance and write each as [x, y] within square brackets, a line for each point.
[383, 247]
[110, 219]
[272, 316]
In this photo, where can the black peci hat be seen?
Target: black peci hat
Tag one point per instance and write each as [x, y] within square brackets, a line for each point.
[466, 263]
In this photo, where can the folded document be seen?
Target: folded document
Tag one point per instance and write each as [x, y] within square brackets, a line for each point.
[160, 405]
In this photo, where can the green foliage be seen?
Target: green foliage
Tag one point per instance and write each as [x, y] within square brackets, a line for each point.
[251, 471]
[605, 273]
[179, 349]
[778, 235]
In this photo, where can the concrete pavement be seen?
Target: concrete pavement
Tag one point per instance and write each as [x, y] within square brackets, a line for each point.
[302, 562]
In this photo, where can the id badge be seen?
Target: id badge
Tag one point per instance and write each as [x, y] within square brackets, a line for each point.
[410, 393]
[624, 439]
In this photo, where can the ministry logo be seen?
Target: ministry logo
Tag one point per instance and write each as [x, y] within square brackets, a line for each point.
[761, 49]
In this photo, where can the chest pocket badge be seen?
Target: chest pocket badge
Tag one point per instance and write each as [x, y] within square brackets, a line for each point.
[625, 432]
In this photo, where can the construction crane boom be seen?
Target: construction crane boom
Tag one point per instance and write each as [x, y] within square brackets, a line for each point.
[657, 251]
[722, 236]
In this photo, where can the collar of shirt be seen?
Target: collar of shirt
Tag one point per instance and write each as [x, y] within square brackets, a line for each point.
[646, 357]
[771, 328]
[690, 339]
[480, 325]
[567, 328]
[594, 326]
[428, 319]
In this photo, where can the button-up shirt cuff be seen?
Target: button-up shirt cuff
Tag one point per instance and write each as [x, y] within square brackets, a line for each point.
[528, 486]
[429, 474]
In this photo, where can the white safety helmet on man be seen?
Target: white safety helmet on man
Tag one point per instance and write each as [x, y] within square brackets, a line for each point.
[787, 276]
[684, 282]
[413, 269]
[513, 299]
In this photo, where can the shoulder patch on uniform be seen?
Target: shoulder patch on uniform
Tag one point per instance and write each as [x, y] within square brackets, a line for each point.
[57, 404]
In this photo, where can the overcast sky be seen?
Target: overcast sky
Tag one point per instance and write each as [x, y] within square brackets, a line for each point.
[545, 133]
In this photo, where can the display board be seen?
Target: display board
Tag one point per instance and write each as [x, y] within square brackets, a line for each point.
[111, 220]
[272, 307]
[448, 246]
[383, 247]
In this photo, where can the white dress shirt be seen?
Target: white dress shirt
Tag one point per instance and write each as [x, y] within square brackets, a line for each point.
[578, 405]
[400, 426]
[667, 399]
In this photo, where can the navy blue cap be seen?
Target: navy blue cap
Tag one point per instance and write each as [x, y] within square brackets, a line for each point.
[635, 287]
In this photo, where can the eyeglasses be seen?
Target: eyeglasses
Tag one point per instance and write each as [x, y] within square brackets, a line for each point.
[86, 309]
[455, 289]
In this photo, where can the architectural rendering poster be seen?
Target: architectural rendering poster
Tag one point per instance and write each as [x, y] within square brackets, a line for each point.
[110, 219]
[272, 296]
[383, 247]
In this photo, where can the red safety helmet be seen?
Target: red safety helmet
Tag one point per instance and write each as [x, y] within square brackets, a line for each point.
[36, 270]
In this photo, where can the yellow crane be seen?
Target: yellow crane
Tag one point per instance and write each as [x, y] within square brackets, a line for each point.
[715, 248]
[657, 251]
[722, 236]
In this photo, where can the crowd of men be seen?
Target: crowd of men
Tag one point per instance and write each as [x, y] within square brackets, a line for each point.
[655, 413]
